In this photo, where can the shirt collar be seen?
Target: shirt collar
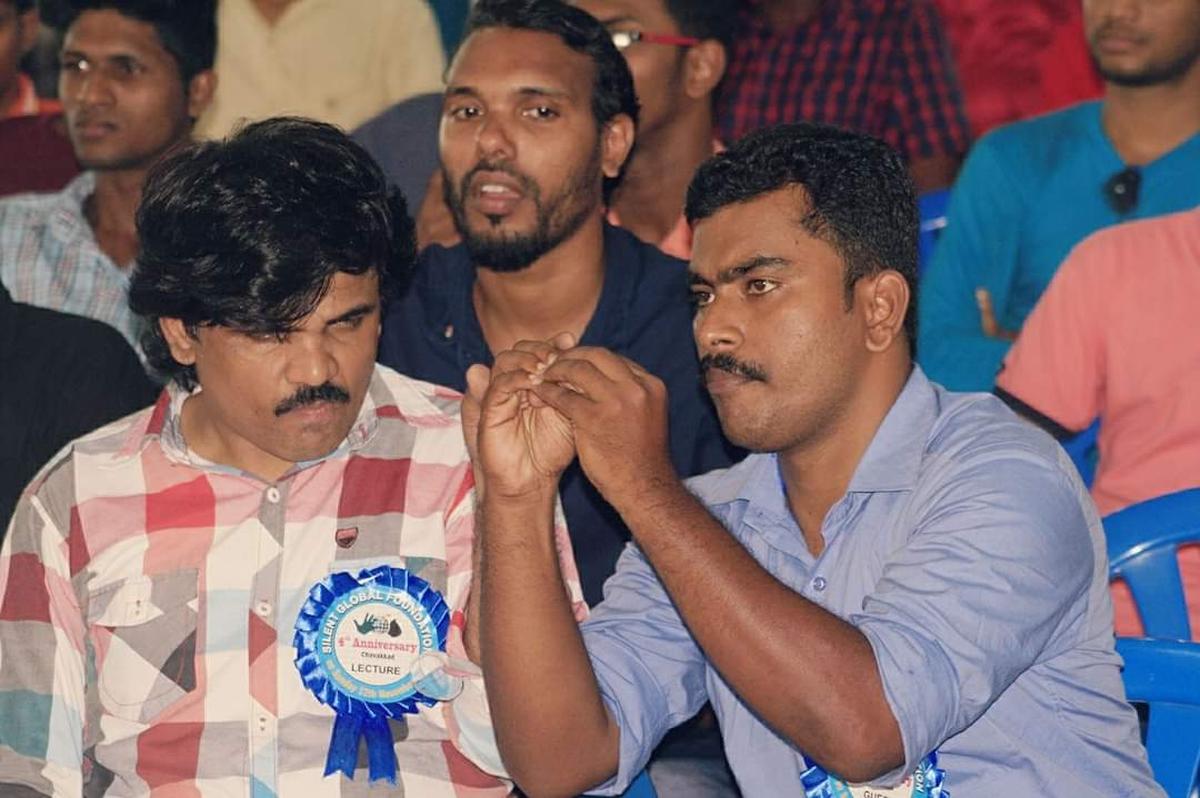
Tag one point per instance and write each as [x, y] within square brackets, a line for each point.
[891, 462]
[166, 425]
[453, 288]
[893, 458]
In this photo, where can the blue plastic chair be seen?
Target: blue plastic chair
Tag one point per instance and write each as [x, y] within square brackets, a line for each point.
[1083, 452]
[1142, 541]
[641, 787]
[1165, 675]
[932, 208]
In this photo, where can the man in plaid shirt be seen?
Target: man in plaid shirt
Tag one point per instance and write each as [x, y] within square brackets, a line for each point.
[157, 573]
[881, 67]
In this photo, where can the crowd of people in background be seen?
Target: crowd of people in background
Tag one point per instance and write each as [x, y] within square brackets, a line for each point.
[382, 203]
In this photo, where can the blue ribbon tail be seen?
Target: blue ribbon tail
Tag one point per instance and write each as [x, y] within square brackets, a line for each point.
[381, 756]
[343, 744]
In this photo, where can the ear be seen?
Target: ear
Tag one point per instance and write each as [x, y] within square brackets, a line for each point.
[183, 344]
[27, 31]
[884, 299]
[704, 67]
[200, 92]
[616, 141]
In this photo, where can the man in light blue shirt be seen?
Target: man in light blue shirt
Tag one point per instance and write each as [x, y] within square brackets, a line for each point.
[903, 588]
[1031, 191]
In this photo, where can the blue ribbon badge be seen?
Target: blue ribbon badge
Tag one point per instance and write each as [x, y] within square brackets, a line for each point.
[372, 647]
[925, 782]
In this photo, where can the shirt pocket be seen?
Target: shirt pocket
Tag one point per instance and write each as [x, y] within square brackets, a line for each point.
[144, 632]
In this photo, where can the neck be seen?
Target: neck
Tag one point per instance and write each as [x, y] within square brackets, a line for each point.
[9, 95]
[784, 14]
[1174, 108]
[556, 293]
[272, 10]
[111, 212]
[817, 472]
[649, 200]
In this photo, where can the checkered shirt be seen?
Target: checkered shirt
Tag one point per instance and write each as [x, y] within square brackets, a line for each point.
[148, 600]
[877, 66]
[49, 258]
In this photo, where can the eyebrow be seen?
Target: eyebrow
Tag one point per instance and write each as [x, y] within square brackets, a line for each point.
[737, 271]
[524, 91]
[353, 313]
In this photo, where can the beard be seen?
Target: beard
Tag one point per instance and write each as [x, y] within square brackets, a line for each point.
[557, 218]
[1156, 72]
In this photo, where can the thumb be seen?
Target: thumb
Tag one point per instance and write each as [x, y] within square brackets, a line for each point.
[478, 379]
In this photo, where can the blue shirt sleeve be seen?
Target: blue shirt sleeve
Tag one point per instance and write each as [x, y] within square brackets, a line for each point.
[978, 249]
[998, 566]
[650, 671]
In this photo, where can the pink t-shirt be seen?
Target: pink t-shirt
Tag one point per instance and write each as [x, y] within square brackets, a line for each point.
[1116, 335]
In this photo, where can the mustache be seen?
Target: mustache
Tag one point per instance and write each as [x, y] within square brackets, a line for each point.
[727, 362]
[311, 394]
[1119, 29]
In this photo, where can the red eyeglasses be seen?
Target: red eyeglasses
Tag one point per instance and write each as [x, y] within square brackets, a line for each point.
[624, 38]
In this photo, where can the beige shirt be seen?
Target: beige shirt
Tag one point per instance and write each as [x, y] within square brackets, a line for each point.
[341, 61]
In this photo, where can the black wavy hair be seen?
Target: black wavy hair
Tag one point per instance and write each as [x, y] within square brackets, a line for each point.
[247, 233]
[706, 19]
[186, 28]
[858, 195]
[612, 83]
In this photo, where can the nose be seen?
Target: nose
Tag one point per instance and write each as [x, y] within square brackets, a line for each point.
[91, 88]
[492, 139]
[310, 360]
[717, 327]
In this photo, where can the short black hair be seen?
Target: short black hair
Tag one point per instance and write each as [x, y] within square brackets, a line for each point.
[706, 19]
[612, 89]
[186, 28]
[859, 197]
[247, 233]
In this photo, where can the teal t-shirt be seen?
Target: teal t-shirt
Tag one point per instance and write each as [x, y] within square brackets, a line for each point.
[1026, 195]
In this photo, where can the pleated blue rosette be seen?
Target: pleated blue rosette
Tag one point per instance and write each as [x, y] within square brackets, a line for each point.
[928, 781]
[391, 614]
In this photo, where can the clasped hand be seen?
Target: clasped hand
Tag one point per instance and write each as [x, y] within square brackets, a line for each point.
[545, 402]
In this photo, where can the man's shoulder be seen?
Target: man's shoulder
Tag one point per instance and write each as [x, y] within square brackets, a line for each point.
[1146, 240]
[102, 455]
[976, 435]
[1016, 142]
[415, 402]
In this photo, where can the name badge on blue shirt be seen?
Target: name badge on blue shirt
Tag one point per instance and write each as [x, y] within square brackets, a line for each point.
[369, 647]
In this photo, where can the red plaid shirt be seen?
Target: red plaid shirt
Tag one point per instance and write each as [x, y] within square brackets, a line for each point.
[878, 66]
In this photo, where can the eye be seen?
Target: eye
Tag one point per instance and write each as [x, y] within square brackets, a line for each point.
[351, 322]
[541, 112]
[267, 336]
[464, 112]
[127, 67]
[72, 63]
[760, 286]
[700, 297]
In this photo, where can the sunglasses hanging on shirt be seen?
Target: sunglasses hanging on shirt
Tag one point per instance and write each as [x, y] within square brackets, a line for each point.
[1121, 190]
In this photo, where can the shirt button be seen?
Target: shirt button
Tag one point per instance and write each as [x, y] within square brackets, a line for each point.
[263, 608]
[273, 495]
[819, 584]
[262, 723]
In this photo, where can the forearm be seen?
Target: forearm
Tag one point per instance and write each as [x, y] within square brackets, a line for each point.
[552, 727]
[810, 675]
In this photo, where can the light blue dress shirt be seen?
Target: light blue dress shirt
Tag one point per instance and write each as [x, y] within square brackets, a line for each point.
[970, 556]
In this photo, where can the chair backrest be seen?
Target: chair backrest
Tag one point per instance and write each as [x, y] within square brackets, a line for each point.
[1142, 541]
[1165, 675]
[641, 787]
[932, 209]
[1083, 452]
